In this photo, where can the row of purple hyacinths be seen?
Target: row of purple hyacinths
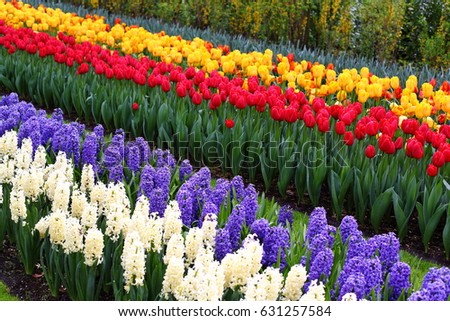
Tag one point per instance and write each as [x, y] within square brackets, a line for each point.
[340, 257]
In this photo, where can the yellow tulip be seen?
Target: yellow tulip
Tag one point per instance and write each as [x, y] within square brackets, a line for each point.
[427, 90]
[395, 82]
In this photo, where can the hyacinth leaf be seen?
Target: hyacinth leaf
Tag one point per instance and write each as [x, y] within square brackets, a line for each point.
[47, 257]
[359, 199]
[5, 81]
[107, 115]
[380, 207]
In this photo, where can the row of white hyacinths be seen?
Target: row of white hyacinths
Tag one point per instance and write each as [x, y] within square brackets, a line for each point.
[91, 232]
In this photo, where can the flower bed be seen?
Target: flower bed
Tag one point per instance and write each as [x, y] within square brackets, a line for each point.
[248, 124]
[108, 215]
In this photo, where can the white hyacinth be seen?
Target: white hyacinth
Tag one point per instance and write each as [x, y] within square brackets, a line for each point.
[175, 248]
[17, 205]
[209, 230]
[79, 203]
[240, 266]
[89, 216]
[173, 276]
[349, 297]
[56, 228]
[93, 247]
[23, 155]
[316, 292]
[73, 236]
[264, 286]
[61, 202]
[133, 261]
[40, 157]
[8, 143]
[172, 221]
[87, 178]
[193, 243]
[42, 226]
[6, 169]
[31, 181]
[150, 228]
[295, 280]
[98, 195]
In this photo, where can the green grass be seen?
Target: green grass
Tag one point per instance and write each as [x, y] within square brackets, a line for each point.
[4, 293]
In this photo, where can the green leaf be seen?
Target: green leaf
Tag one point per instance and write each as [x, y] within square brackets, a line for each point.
[380, 207]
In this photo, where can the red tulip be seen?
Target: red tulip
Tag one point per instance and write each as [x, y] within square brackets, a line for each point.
[432, 170]
[349, 139]
[398, 143]
[215, 101]
[386, 144]
[290, 115]
[323, 123]
[241, 102]
[438, 159]
[360, 131]
[414, 149]
[309, 119]
[197, 98]
[370, 151]
[409, 126]
[372, 128]
[318, 104]
[83, 68]
[229, 123]
[180, 89]
[339, 127]
[165, 84]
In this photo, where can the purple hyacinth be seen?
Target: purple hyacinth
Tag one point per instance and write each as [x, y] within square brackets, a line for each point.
[317, 223]
[234, 226]
[399, 280]
[370, 268]
[435, 274]
[162, 179]
[9, 100]
[144, 150]
[99, 133]
[158, 201]
[67, 140]
[249, 204]
[164, 158]
[437, 290]
[118, 141]
[26, 110]
[112, 156]
[31, 128]
[275, 245]
[285, 216]
[147, 184]
[208, 208]
[347, 227]
[116, 173]
[220, 192]
[321, 265]
[223, 244]
[388, 247]
[185, 203]
[355, 283]
[89, 151]
[237, 188]
[421, 295]
[261, 228]
[133, 157]
[185, 170]
[373, 274]
[49, 126]
[318, 244]
[357, 246]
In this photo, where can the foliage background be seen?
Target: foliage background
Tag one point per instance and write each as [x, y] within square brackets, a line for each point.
[405, 31]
